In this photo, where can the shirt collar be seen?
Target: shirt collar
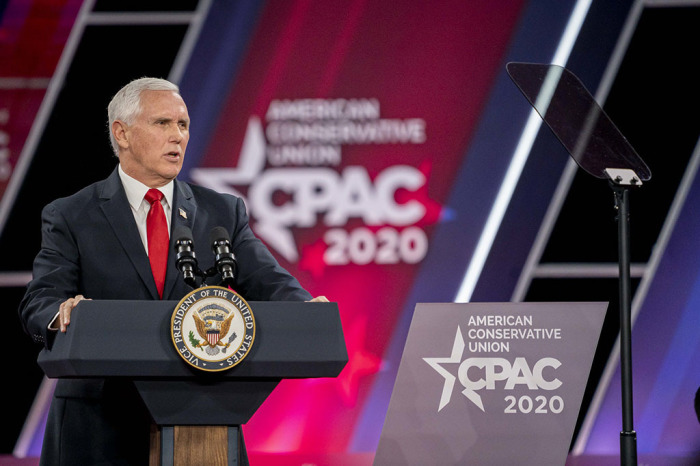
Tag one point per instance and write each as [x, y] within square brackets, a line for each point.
[135, 190]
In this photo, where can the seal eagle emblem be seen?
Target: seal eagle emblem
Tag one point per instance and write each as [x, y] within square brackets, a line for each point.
[213, 328]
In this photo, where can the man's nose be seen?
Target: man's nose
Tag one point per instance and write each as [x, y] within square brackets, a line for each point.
[176, 134]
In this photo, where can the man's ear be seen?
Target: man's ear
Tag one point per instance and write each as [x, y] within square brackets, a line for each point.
[119, 131]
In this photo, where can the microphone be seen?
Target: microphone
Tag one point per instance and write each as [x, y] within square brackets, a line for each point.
[224, 259]
[185, 260]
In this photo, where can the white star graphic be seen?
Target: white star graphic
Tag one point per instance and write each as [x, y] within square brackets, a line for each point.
[456, 357]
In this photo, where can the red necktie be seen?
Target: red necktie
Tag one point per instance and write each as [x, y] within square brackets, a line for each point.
[158, 238]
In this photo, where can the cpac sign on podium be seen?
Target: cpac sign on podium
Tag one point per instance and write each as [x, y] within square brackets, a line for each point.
[490, 383]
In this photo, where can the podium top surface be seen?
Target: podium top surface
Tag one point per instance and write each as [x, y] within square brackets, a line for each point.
[133, 339]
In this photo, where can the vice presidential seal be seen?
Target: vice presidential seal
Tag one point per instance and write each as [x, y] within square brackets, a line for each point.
[213, 328]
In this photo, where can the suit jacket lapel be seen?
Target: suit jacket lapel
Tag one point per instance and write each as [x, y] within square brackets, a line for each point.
[183, 213]
[118, 212]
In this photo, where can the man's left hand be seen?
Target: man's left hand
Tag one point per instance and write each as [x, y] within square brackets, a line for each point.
[319, 299]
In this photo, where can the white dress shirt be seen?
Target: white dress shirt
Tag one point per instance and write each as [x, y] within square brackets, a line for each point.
[135, 193]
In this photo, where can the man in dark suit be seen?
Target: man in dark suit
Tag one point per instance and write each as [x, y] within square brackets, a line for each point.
[97, 244]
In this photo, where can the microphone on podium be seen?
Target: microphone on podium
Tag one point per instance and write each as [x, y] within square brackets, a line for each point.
[224, 259]
[185, 260]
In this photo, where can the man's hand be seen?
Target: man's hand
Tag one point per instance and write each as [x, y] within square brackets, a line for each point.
[319, 299]
[65, 309]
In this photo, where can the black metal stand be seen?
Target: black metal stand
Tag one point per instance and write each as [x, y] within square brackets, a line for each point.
[628, 437]
[597, 146]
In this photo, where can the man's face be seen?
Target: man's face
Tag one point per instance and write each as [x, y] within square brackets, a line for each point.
[152, 148]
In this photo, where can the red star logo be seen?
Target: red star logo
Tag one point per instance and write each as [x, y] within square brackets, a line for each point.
[360, 361]
[312, 259]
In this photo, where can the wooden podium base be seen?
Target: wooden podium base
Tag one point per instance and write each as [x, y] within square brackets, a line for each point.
[195, 445]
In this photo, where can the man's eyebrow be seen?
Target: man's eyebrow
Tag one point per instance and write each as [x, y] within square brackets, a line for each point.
[165, 118]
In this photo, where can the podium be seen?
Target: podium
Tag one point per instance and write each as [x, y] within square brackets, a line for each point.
[132, 340]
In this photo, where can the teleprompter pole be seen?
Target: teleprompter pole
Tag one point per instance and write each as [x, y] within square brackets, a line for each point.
[628, 437]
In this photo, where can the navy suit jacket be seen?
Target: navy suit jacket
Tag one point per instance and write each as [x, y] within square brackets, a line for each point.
[91, 246]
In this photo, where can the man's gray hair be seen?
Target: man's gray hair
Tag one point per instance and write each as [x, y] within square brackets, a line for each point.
[126, 104]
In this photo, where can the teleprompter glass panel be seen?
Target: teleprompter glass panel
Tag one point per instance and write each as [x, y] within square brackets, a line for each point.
[576, 119]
